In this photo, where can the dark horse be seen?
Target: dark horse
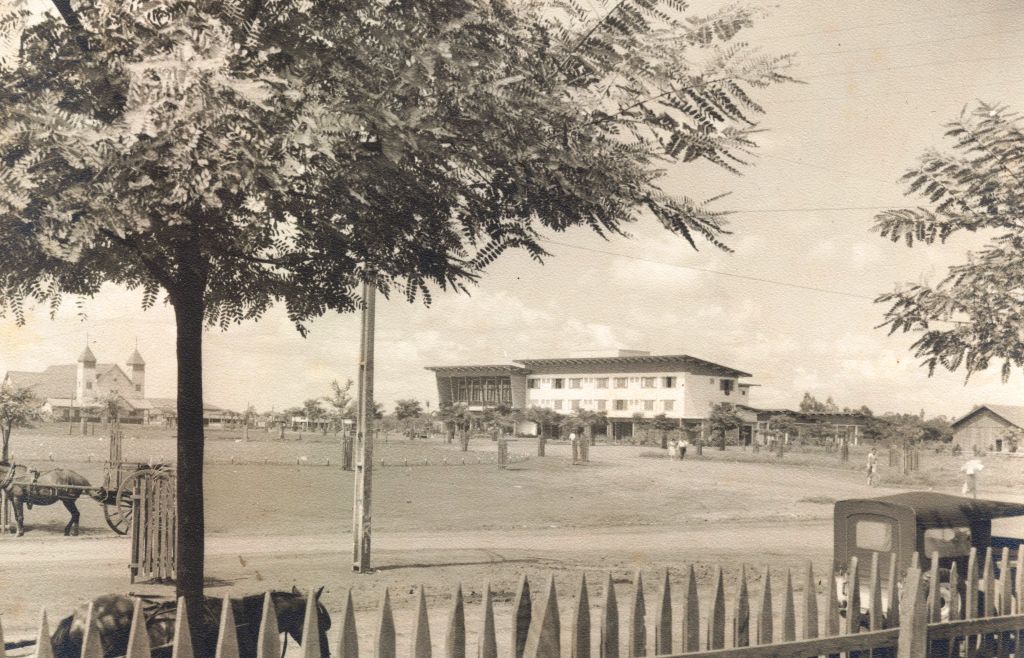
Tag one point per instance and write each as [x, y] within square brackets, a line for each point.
[26, 486]
[113, 615]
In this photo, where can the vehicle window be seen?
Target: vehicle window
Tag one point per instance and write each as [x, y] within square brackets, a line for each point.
[874, 536]
[947, 542]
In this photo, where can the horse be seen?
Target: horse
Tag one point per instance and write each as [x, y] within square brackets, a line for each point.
[27, 486]
[113, 615]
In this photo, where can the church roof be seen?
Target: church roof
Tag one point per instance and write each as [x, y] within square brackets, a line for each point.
[87, 356]
[54, 382]
[136, 359]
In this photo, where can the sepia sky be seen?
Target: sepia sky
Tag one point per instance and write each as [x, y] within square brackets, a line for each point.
[792, 303]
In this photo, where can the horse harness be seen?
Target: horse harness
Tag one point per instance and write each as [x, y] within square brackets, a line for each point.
[164, 611]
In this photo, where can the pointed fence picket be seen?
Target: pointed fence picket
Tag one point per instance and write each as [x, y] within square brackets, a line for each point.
[982, 621]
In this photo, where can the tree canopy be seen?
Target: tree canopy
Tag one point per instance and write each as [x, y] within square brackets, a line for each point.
[238, 153]
[18, 405]
[975, 315]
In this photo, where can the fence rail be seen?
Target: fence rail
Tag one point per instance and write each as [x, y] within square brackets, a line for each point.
[988, 622]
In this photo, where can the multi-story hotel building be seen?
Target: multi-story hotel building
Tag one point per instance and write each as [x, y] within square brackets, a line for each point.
[633, 383]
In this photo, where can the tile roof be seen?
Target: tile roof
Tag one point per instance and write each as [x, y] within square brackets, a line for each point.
[1009, 413]
[54, 382]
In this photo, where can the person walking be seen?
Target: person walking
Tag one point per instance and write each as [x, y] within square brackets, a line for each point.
[872, 467]
[672, 454]
[683, 445]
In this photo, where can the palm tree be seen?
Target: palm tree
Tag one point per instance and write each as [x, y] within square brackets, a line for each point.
[457, 418]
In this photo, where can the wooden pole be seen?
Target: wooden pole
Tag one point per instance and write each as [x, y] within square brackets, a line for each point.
[361, 513]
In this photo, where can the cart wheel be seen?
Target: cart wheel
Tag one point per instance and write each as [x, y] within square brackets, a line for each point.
[118, 508]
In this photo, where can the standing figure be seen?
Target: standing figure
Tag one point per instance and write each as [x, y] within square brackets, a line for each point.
[872, 468]
[970, 471]
[672, 450]
[683, 445]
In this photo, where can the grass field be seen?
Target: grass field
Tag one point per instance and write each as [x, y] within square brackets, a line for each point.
[282, 523]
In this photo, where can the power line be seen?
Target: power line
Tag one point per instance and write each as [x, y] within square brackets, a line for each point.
[710, 271]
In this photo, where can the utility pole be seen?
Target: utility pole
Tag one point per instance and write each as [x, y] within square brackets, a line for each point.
[361, 515]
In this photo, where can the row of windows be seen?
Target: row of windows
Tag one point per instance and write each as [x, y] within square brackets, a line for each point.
[602, 405]
[602, 382]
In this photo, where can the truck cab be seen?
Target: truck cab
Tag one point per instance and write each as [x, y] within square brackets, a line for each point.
[924, 522]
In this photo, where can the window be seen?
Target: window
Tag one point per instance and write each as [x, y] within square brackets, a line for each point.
[559, 383]
[874, 536]
[138, 387]
[712, 380]
[668, 405]
[601, 382]
[575, 404]
[726, 385]
[558, 404]
[532, 383]
[602, 405]
[743, 391]
[620, 405]
[620, 382]
[648, 405]
[947, 542]
[88, 385]
[575, 382]
[647, 382]
[669, 382]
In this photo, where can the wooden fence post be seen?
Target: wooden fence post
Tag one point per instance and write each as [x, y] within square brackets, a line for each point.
[522, 611]
[183, 635]
[788, 610]
[348, 639]
[227, 635]
[609, 647]
[913, 638]
[741, 628]
[91, 647]
[268, 643]
[138, 636]
[663, 620]
[892, 619]
[545, 637]
[716, 635]
[385, 645]
[44, 649]
[580, 634]
[810, 612]
[455, 640]
[637, 620]
[764, 618]
[488, 638]
[691, 615]
[421, 647]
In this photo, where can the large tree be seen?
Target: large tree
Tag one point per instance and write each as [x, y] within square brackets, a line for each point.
[236, 153]
[975, 315]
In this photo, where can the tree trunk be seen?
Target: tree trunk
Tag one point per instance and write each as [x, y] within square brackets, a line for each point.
[7, 442]
[188, 299]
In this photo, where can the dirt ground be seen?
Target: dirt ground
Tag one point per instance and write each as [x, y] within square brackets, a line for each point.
[278, 524]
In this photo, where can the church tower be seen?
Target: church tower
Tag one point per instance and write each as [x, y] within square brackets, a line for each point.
[138, 373]
[85, 383]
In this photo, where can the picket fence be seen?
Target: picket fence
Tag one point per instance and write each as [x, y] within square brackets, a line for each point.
[154, 527]
[996, 630]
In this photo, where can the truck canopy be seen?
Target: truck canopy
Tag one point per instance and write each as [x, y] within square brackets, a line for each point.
[934, 509]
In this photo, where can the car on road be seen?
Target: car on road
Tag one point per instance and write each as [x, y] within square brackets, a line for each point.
[924, 522]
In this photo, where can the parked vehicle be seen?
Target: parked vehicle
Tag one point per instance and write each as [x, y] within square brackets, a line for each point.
[924, 522]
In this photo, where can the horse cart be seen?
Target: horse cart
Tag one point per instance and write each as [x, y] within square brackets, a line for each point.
[118, 493]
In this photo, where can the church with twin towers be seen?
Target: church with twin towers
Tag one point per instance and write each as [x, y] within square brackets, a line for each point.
[80, 390]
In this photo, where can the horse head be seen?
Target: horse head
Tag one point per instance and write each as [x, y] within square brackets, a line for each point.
[291, 611]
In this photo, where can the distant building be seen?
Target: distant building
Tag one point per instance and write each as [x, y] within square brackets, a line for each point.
[848, 425]
[631, 385]
[70, 392]
[989, 428]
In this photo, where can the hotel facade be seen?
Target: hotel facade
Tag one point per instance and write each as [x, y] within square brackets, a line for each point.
[624, 387]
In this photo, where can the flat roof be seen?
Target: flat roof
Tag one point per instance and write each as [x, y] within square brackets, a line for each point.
[681, 362]
[503, 368]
